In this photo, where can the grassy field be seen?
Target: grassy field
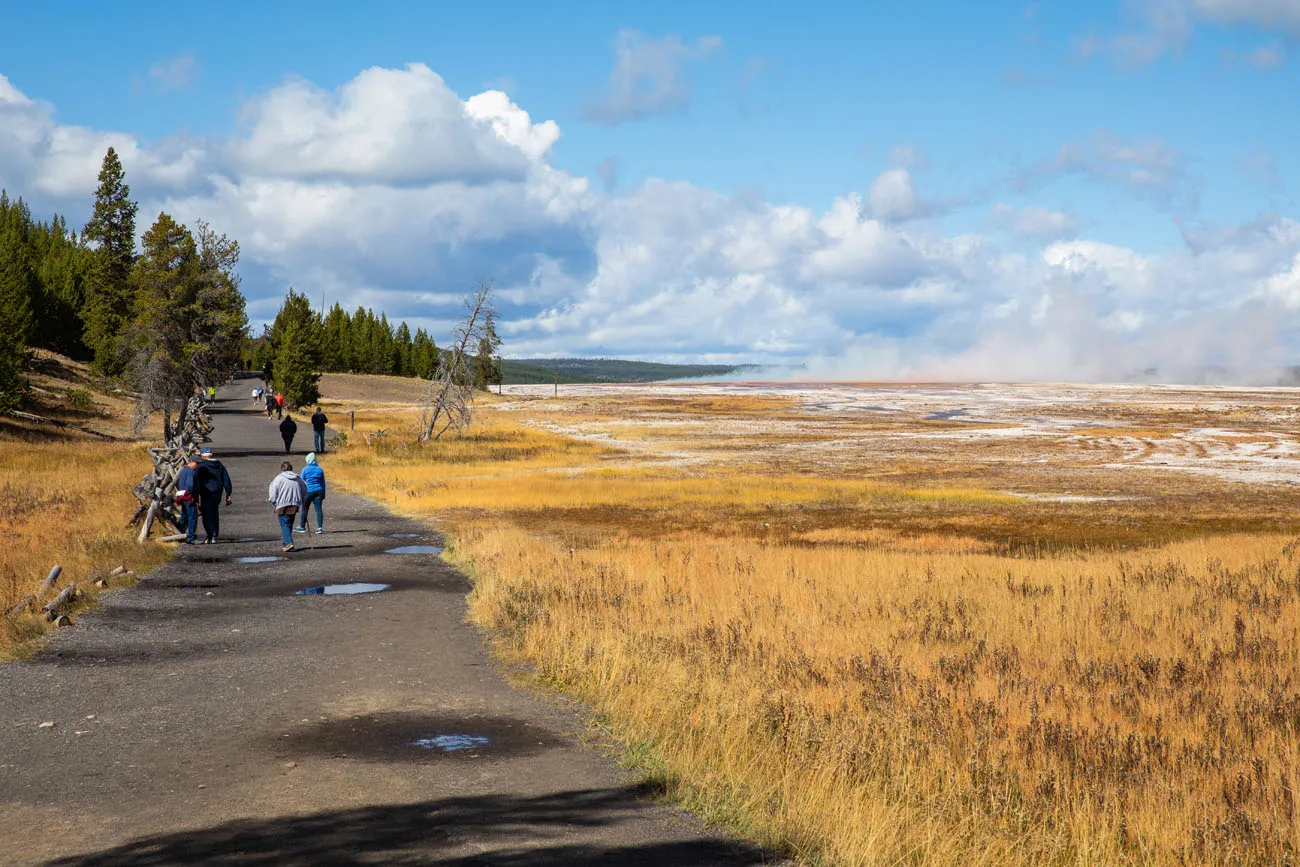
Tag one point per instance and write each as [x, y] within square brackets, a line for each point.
[65, 495]
[884, 654]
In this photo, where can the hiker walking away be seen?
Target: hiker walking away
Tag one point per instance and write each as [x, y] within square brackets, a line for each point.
[314, 478]
[270, 402]
[286, 494]
[318, 422]
[257, 395]
[186, 482]
[279, 404]
[213, 480]
[288, 428]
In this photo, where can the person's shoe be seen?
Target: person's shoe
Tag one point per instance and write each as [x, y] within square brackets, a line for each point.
[206, 542]
[300, 529]
[287, 548]
[320, 530]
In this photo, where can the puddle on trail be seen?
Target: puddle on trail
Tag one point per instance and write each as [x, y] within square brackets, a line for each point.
[404, 536]
[450, 743]
[416, 549]
[343, 589]
[255, 559]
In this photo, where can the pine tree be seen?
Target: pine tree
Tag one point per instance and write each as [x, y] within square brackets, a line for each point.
[296, 340]
[17, 281]
[157, 343]
[424, 355]
[111, 230]
[487, 361]
[402, 351]
[218, 324]
[381, 347]
[336, 341]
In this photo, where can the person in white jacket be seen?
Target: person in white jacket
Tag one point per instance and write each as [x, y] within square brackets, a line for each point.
[287, 494]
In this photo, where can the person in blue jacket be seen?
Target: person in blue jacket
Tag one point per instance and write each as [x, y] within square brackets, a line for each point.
[187, 497]
[314, 477]
[212, 481]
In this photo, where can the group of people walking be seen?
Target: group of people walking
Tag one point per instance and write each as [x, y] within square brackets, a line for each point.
[274, 403]
[289, 429]
[204, 480]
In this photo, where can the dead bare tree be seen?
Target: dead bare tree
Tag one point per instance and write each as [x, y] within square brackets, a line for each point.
[449, 402]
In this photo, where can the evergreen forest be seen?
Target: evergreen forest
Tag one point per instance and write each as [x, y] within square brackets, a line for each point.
[164, 317]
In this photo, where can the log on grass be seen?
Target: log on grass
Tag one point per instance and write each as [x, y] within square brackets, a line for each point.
[52, 578]
[174, 537]
[66, 595]
[15, 610]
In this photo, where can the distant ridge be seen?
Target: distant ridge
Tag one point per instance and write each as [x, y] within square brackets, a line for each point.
[526, 371]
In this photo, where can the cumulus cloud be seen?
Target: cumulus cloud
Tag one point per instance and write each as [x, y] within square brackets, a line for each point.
[395, 192]
[389, 125]
[649, 77]
[892, 196]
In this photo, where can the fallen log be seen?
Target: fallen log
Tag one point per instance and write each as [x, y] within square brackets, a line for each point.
[15, 610]
[52, 578]
[66, 595]
[174, 537]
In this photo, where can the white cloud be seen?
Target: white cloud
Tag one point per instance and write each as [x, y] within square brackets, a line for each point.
[1159, 27]
[1034, 221]
[1266, 57]
[174, 73]
[1264, 14]
[388, 125]
[1145, 167]
[394, 191]
[649, 77]
[892, 196]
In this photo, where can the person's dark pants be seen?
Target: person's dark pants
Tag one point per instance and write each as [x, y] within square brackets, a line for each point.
[269, 407]
[286, 528]
[189, 520]
[317, 497]
[209, 506]
[318, 441]
[279, 411]
[288, 443]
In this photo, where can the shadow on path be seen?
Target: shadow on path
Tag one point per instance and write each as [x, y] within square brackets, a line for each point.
[502, 830]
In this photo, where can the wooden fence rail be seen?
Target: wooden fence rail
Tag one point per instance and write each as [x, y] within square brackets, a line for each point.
[156, 492]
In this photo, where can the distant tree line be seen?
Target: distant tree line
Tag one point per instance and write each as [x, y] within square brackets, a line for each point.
[299, 345]
[167, 320]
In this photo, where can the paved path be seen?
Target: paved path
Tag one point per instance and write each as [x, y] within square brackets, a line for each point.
[211, 715]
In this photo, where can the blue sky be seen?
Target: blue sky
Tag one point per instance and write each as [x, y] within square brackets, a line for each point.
[917, 187]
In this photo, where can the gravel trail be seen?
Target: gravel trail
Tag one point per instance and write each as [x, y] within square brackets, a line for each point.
[214, 715]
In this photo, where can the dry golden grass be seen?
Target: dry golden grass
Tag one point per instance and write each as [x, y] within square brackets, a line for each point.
[65, 503]
[868, 667]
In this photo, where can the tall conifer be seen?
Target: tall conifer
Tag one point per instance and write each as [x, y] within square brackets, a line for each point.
[111, 230]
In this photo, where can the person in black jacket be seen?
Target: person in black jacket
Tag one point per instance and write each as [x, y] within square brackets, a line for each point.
[318, 422]
[213, 479]
[288, 428]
